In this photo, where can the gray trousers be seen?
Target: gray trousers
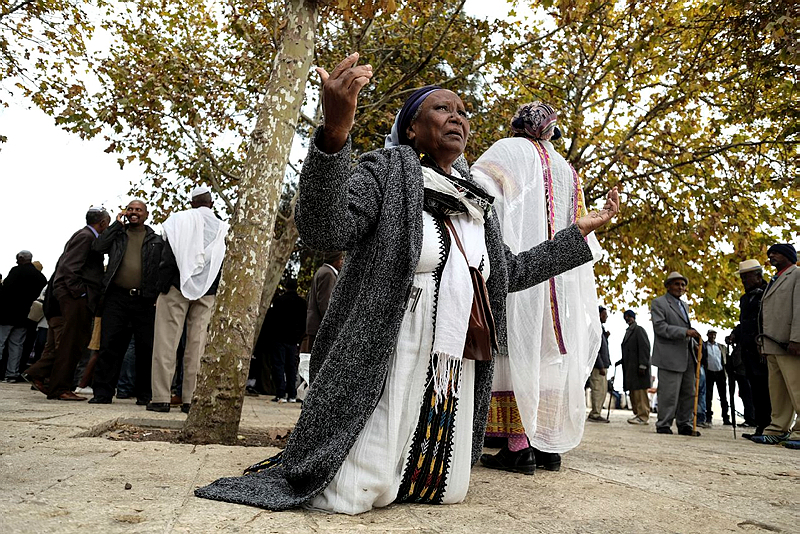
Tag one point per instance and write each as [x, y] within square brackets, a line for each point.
[15, 335]
[676, 397]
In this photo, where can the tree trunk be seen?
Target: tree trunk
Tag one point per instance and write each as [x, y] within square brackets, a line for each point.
[217, 403]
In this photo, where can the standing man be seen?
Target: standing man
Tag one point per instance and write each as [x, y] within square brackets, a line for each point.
[673, 354]
[636, 368]
[188, 279]
[598, 380]
[716, 357]
[69, 308]
[23, 284]
[744, 336]
[779, 341]
[130, 291]
[286, 321]
[319, 295]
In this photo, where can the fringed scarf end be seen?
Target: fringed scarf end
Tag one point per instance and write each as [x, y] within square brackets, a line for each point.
[446, 377]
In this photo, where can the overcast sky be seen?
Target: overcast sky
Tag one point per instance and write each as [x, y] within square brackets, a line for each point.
[49, 178]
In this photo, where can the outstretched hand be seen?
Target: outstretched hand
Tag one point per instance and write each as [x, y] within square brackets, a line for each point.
[340, 91]
[595, 219]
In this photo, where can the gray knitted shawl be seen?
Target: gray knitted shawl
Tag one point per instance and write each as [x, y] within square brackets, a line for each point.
[374, 212]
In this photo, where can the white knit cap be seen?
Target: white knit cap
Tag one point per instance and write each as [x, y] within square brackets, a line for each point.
[200, 190]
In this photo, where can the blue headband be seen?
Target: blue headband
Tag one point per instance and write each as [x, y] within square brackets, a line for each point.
[403, 119]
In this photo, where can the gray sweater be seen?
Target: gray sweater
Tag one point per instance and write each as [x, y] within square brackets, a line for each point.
[374, 212]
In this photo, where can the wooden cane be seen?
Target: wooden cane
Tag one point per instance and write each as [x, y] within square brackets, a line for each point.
[697, 383]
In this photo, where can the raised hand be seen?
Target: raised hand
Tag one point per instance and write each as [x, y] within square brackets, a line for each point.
[595, 219]
[340, 91]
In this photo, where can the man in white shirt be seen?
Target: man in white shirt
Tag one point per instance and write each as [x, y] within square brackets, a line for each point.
[714, 357]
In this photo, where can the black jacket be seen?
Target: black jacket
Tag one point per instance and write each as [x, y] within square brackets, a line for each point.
[635, 355]
[20, 288]
[746, 331]
[286, 319]
[603, 360]
[169, 275]
[114, 242]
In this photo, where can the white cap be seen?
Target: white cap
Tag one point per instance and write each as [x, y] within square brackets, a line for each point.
[200, 190]
[97, 208]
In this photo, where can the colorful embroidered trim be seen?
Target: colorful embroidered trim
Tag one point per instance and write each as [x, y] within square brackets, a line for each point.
[551, 227]
[425, 476]
[264, 464]
[504, 420]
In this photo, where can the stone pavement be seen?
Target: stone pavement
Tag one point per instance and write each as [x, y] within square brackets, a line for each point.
[622, 478]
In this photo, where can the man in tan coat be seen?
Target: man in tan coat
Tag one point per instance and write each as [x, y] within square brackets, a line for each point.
[779, 341]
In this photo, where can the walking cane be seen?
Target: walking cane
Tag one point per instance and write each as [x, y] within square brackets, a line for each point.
[697, 383]
[611, 392]
[731, 389]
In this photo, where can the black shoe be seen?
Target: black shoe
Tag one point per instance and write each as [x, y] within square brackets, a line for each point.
[687, 431]
[100, 400]
[14, 380]
[251, 391]
[749, 436]
[493, 442]
[123, 396]
[663, 430]
[522, 461]
[726, 423]
[142, 402]
[185, 408]
[157, 407]
[549, 461]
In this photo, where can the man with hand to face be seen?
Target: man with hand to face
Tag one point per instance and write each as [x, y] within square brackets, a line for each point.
[130, 288]
[674, 356]
[779, 341]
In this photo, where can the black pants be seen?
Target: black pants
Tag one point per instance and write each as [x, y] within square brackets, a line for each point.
[124, 316]
[762, 407]
[718, 378]
[285, 360]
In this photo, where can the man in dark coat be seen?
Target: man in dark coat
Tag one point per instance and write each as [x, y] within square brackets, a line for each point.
[130, 288]
[76, 288]
[636, 368]
[285, 321]
[598, 380]
[744, 337]
[23, 284]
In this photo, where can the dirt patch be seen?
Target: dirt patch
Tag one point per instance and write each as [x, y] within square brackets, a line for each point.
[271, 437]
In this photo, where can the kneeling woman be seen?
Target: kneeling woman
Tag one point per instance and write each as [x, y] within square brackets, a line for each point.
[394, 414]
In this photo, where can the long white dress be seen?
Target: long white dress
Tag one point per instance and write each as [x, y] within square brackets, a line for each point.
[402, 454]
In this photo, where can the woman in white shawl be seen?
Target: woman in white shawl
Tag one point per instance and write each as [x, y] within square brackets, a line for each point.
[538, 401]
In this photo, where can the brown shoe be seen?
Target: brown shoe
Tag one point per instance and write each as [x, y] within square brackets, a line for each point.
[35, 382]
[175, 400]
[70, 396]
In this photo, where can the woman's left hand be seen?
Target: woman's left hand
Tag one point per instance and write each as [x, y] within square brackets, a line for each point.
[594, 220]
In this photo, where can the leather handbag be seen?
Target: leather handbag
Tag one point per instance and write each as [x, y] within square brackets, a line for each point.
[481, 331]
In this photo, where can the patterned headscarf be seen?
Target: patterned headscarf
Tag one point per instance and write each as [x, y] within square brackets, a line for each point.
[536, 120]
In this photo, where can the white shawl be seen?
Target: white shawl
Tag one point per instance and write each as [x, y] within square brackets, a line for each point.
[548, 385]
[197, 238]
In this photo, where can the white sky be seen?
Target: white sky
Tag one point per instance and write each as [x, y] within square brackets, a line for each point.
[49, 178]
